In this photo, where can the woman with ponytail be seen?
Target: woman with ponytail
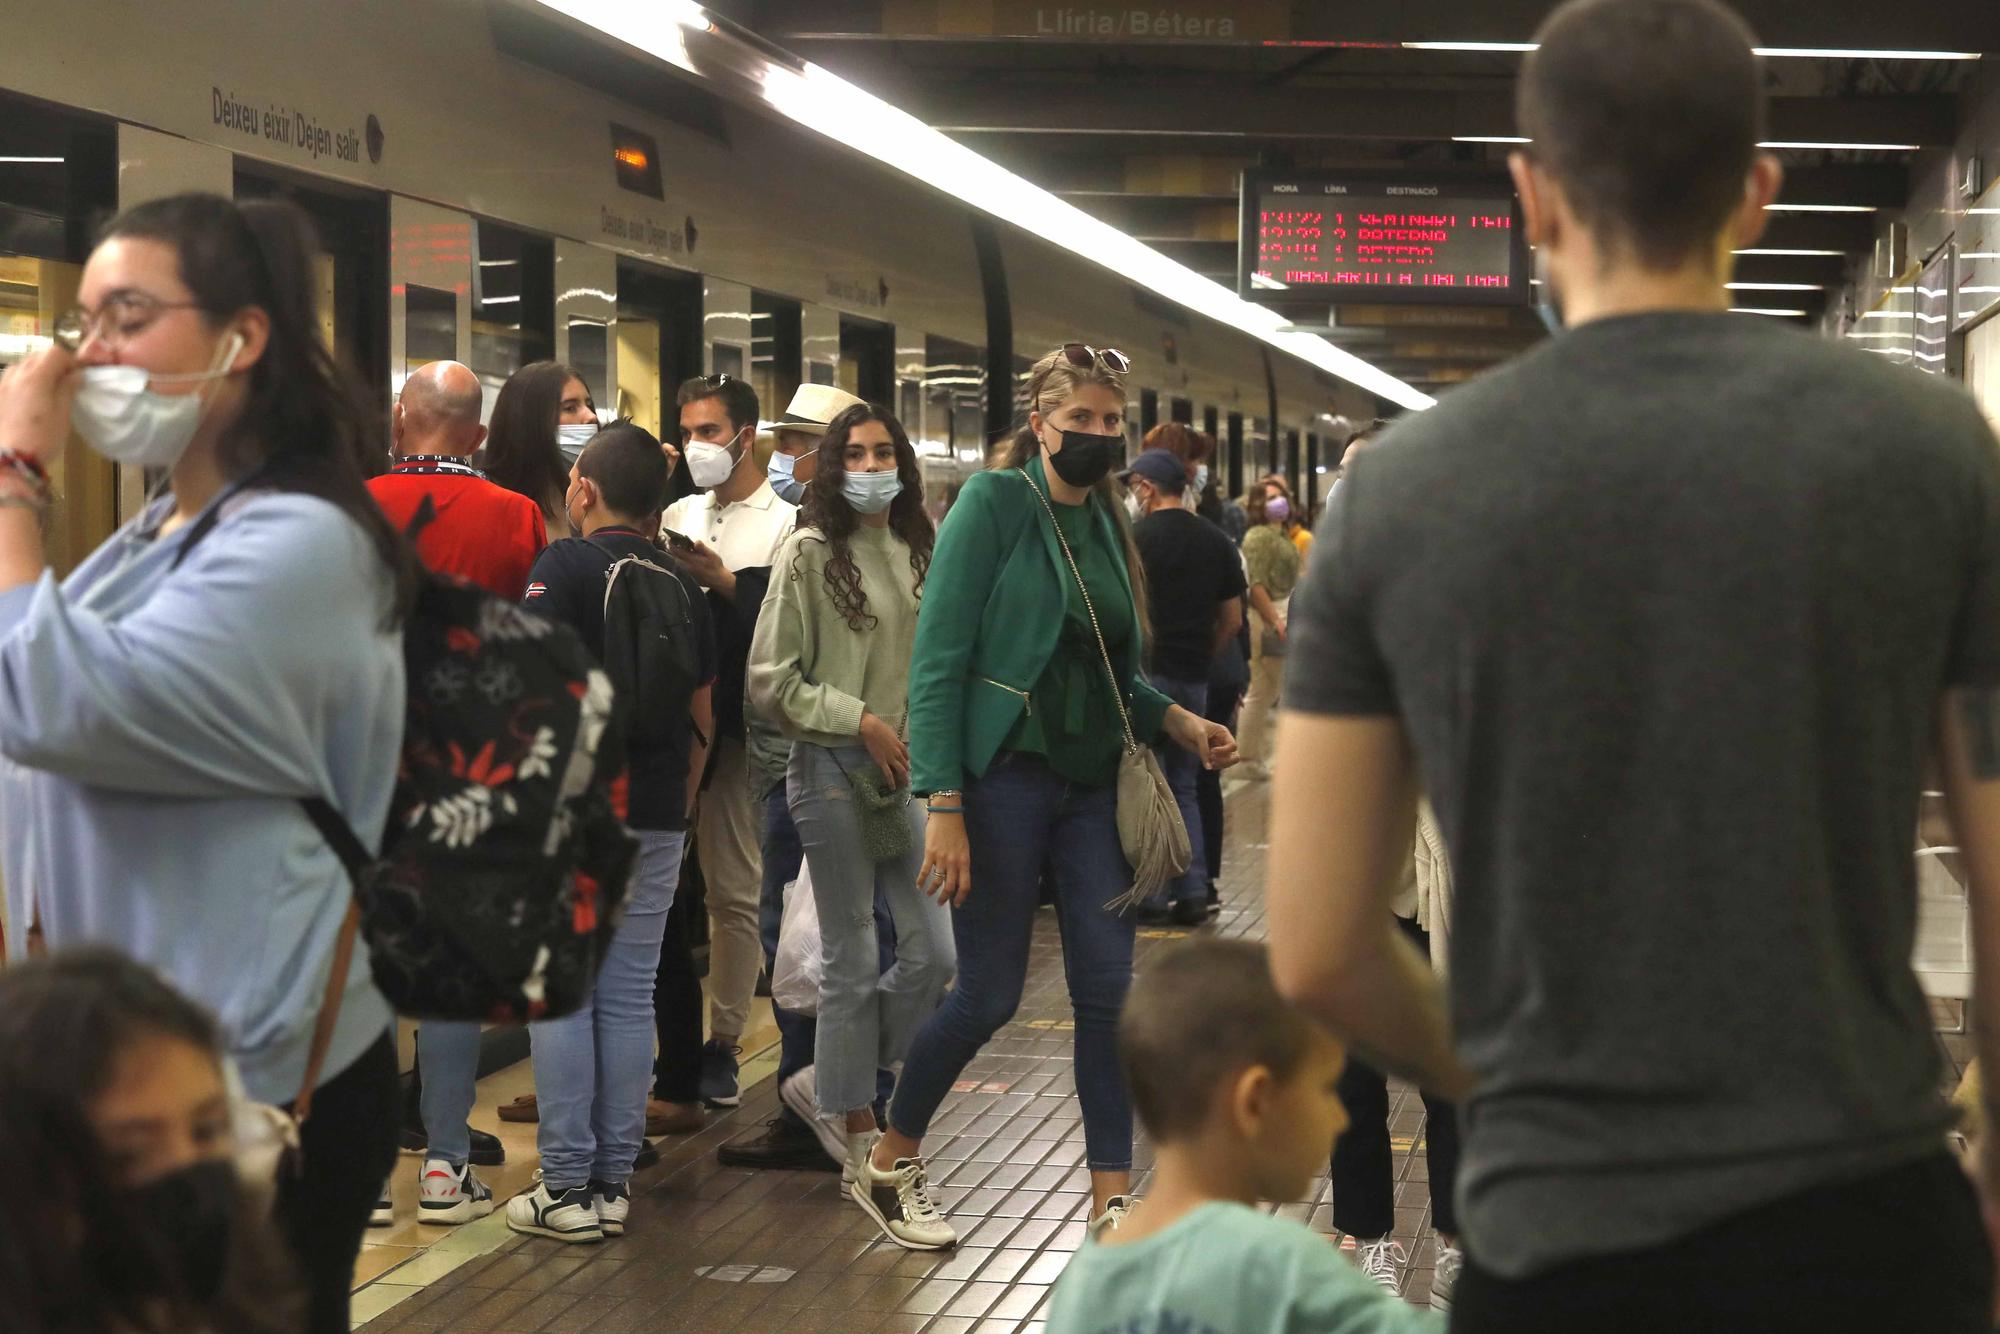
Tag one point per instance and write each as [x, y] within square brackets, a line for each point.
[1015, 739]
[165, 707]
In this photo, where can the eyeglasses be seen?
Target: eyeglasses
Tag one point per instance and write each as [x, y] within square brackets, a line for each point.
[1085, 357]
[123, 315]
[716, 381]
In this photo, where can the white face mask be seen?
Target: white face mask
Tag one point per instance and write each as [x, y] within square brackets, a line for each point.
[870, 492]
[571, 440]
[120, 417]
[1133, 507]
[709, 465]
[1200, 478]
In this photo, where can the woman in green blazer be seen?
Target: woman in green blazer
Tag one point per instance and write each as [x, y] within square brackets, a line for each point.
[1015, 737]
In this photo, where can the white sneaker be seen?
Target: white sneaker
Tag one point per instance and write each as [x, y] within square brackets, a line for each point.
[613, 1202]
[1444, 1279]
[900, 1202]
[1114, 1214]
[800, 1092]
[570, 1216]
[1379, 1259]
[448, 1195]
[384, 1212]
[859, 1147]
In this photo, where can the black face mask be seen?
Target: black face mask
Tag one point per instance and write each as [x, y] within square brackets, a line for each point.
[1086, 458]
[190, 1218]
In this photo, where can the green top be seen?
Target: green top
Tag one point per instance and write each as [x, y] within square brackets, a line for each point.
[1072, 703]
[1227, 1269]
[1270, 559]
[993, 613]
[809, 670]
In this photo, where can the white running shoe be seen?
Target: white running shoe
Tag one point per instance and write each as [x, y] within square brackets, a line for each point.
[448, 1195]
[1444, 1279]
[900, 1202]
[570, 1216]
[859, 1147]
[1114, 1214]
[384, 1212]
[800, 1092]
[1380, 1260]
[613, 1202]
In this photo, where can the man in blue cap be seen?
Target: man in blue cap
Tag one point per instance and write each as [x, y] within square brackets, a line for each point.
[1194, 582]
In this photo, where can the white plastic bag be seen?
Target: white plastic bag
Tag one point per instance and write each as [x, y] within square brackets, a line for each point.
[795, 979]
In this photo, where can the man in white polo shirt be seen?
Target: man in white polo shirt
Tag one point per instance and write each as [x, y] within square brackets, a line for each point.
[736, 523]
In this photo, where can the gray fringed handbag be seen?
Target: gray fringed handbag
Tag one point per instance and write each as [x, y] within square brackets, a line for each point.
[1150, 830]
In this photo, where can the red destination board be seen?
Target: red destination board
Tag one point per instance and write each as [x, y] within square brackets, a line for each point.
[1374, 241]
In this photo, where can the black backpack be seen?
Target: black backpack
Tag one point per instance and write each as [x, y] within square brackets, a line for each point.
[649, 650]
[505, 863]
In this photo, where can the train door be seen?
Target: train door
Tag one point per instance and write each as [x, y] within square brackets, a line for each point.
[1290, 465]
[1233, 445]
[58, 186]
[867, 359]
[1149, 411]
[783, 350]
[1313, 471]
[350, 270]
[1181, 410]
[513, 304]
[658, 347]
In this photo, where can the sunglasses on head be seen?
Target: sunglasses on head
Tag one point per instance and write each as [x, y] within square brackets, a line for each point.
[1085, 357]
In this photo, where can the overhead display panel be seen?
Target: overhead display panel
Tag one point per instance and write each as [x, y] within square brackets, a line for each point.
[1374, 238]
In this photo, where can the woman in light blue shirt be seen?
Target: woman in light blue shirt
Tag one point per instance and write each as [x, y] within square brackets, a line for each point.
[162, 710]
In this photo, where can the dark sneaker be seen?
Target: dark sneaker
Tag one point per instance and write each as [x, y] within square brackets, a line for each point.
[448, 1195]
[1444, 1278]
[614, 1205]
[487, 1150]
[899, 1200]
[718, 1074]
[570, 1216]
[649, 1154]
[1188, 912]
[783, 1146]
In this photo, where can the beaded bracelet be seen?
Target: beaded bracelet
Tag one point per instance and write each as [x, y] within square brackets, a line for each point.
[28, 468]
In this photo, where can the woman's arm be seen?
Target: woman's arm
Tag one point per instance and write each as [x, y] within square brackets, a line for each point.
[788, 628]
[1266, 609]
[963, 569]
[220, 685]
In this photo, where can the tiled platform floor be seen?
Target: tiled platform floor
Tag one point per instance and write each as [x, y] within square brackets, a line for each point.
[715, 1248]
[720, 1249]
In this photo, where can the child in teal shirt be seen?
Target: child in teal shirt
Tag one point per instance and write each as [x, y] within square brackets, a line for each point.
[1236, 1088]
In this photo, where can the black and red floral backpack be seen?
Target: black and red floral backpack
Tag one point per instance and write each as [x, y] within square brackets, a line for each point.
[505, 862]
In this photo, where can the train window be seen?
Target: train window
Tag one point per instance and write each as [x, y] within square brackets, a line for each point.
[513, 303]
[1182, 411]
[954, 389]
[777, 351]
[1149, 411]
[659, 342]
[590, 353]
[867, 359]
[1211, 422]
[430, 327]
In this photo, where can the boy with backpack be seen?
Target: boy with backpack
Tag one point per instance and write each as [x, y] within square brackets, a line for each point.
[649, 625]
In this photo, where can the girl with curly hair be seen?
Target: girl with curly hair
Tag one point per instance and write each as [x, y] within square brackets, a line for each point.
[831, 664]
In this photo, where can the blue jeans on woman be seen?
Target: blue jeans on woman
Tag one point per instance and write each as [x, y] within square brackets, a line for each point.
[1018, 815]
[867, 1017]
[594, 1067]
[448, 1056]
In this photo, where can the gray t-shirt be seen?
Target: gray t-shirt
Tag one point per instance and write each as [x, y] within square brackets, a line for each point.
[1666, 607]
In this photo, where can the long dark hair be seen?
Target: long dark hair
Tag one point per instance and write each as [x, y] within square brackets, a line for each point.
[827, 511]
[521, 452]
[305, 425]
[64, 1023]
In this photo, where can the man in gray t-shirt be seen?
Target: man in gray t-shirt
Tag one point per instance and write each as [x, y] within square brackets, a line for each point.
[1664, 613]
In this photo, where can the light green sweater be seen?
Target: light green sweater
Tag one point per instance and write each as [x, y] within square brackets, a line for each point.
[810, 672]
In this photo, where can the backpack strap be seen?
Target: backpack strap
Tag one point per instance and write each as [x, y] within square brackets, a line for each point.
[354, 857]
[211, 516]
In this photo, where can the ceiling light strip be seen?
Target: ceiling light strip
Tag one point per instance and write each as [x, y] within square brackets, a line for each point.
[1770, 52]
[1765, 310]
[824, 102]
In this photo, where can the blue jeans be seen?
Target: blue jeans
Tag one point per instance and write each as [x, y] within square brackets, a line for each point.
[593, 1068]
[867, 1016]
[1183, 771]
[1017, 816]
[798, 1033]
[448, 1057]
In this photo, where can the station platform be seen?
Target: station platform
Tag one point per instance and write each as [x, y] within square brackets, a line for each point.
[717, 1248]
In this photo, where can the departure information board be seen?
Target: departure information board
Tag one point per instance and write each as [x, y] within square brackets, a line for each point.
[1368, 239]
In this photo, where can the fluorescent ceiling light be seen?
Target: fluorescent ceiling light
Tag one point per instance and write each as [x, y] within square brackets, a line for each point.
[498, 263]
[1763, 310]
[1773, 52]
[1489, 139]
[1775, 287]
[498, 300]
[1814, 143]
[32, 161]
[1820, 208]
[1790, 254]
[827, 104]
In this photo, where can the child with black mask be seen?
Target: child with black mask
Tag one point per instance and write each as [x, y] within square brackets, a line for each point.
[126, 1212]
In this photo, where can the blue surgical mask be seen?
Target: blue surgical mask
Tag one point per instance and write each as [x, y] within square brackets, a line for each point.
[1200, 478]
[784, 480]
[571, 439]
[870, 492]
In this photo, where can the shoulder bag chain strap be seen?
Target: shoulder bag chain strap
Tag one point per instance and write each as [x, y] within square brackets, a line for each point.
[1117, 695]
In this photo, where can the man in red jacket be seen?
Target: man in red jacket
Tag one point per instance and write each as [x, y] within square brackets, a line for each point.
[488, 535]
[483, 532]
